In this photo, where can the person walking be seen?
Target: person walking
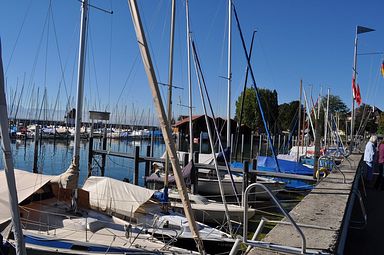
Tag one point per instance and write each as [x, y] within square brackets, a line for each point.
[369, 157]
[380, 160]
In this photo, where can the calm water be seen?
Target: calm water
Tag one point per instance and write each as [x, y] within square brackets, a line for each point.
[55, 157]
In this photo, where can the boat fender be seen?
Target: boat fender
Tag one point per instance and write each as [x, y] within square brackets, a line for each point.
[322, 170]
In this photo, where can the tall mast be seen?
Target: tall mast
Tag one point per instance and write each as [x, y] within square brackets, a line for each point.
[189, 81]
[8, 166]
[299, 123]
[170, 78]
[229, 73]
[165, 127]
[80, 83]
[326, 121]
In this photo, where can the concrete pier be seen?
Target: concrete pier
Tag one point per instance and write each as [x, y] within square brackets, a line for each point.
[323, 215]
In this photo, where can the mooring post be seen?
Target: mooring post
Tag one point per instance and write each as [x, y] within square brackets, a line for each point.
[147, 165]
[242, 148]
[186, 159]
[104, 155]
[245, 179]
[90, 151]
[260, 143]
[136, 166]
[36, 149]
[251, 150]
[195, 174]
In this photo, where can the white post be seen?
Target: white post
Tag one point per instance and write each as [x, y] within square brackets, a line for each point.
[229, 74]
[189, 81]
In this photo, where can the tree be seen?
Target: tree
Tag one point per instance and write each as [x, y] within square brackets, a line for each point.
[365, 120]
[251, 112]
[380, 127]
[288, 116]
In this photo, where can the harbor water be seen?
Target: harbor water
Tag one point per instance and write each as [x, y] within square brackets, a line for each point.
[55, 156]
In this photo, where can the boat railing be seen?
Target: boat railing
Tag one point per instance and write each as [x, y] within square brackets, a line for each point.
[333, 165]
[261, 244]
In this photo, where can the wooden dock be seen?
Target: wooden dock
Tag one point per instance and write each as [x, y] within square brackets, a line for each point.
[323, 215]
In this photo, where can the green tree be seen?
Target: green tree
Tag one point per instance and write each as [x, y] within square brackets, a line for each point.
[288, 115]
[251, 112]
[365, 120]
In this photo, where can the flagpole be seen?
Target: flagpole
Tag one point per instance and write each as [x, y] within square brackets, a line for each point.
[351, 144]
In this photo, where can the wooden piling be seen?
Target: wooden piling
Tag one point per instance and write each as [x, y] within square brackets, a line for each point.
[136, 166]
[104, 156]
[242, 148]
[90, 151]
[147, 164]
[195, 175]
[36, 150]
[251, 149]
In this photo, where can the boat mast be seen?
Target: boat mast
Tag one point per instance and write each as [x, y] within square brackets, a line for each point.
[326, 121]
[229, 74]
[8, 166]
[189, 80]
[299, 122]
[80, 83]
[170, 78]
[165, 127]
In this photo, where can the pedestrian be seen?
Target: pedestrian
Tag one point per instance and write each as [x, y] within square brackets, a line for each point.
[369, 156]
[379, 181]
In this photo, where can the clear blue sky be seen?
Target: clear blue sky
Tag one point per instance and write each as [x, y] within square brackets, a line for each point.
[296, 39]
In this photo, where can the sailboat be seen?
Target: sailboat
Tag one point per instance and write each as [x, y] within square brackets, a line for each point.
[56, 215]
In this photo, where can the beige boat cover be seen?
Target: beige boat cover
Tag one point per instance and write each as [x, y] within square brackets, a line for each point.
[26, 184]
[110, 195]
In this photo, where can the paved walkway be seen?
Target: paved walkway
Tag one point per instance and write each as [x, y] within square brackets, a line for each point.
[371, 239]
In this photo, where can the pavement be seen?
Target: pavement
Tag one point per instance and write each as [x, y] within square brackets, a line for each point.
[369, 240]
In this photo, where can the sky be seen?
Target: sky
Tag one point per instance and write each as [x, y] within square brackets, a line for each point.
[312, 41]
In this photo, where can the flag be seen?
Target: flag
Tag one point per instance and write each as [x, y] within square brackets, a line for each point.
[382, 68]
[354, 89]
[360, 29]
[358, 95]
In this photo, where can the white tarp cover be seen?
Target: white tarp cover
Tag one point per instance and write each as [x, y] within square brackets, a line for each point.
[26, 184]
[107, 194]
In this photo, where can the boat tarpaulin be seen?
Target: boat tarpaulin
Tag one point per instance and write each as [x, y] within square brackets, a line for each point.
[26, 184]
[269, 164]
[107, 194]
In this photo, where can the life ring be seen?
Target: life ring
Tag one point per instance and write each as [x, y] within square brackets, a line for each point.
[323, 170]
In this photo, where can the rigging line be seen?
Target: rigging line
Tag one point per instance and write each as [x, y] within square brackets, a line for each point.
[59, 56]
[243, 98]
[110, 60]
[98, 8]
[128, 77]
[46, 49]
[94, 64]
[200, 73]
[255, 86]
[199, 79]
[18, 36]
[21, 94]
[38, 50]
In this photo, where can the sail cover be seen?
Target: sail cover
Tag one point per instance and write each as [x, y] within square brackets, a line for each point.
[110, 195]
[26, 184]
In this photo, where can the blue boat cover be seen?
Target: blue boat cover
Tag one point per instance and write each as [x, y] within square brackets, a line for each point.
[265, 163]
